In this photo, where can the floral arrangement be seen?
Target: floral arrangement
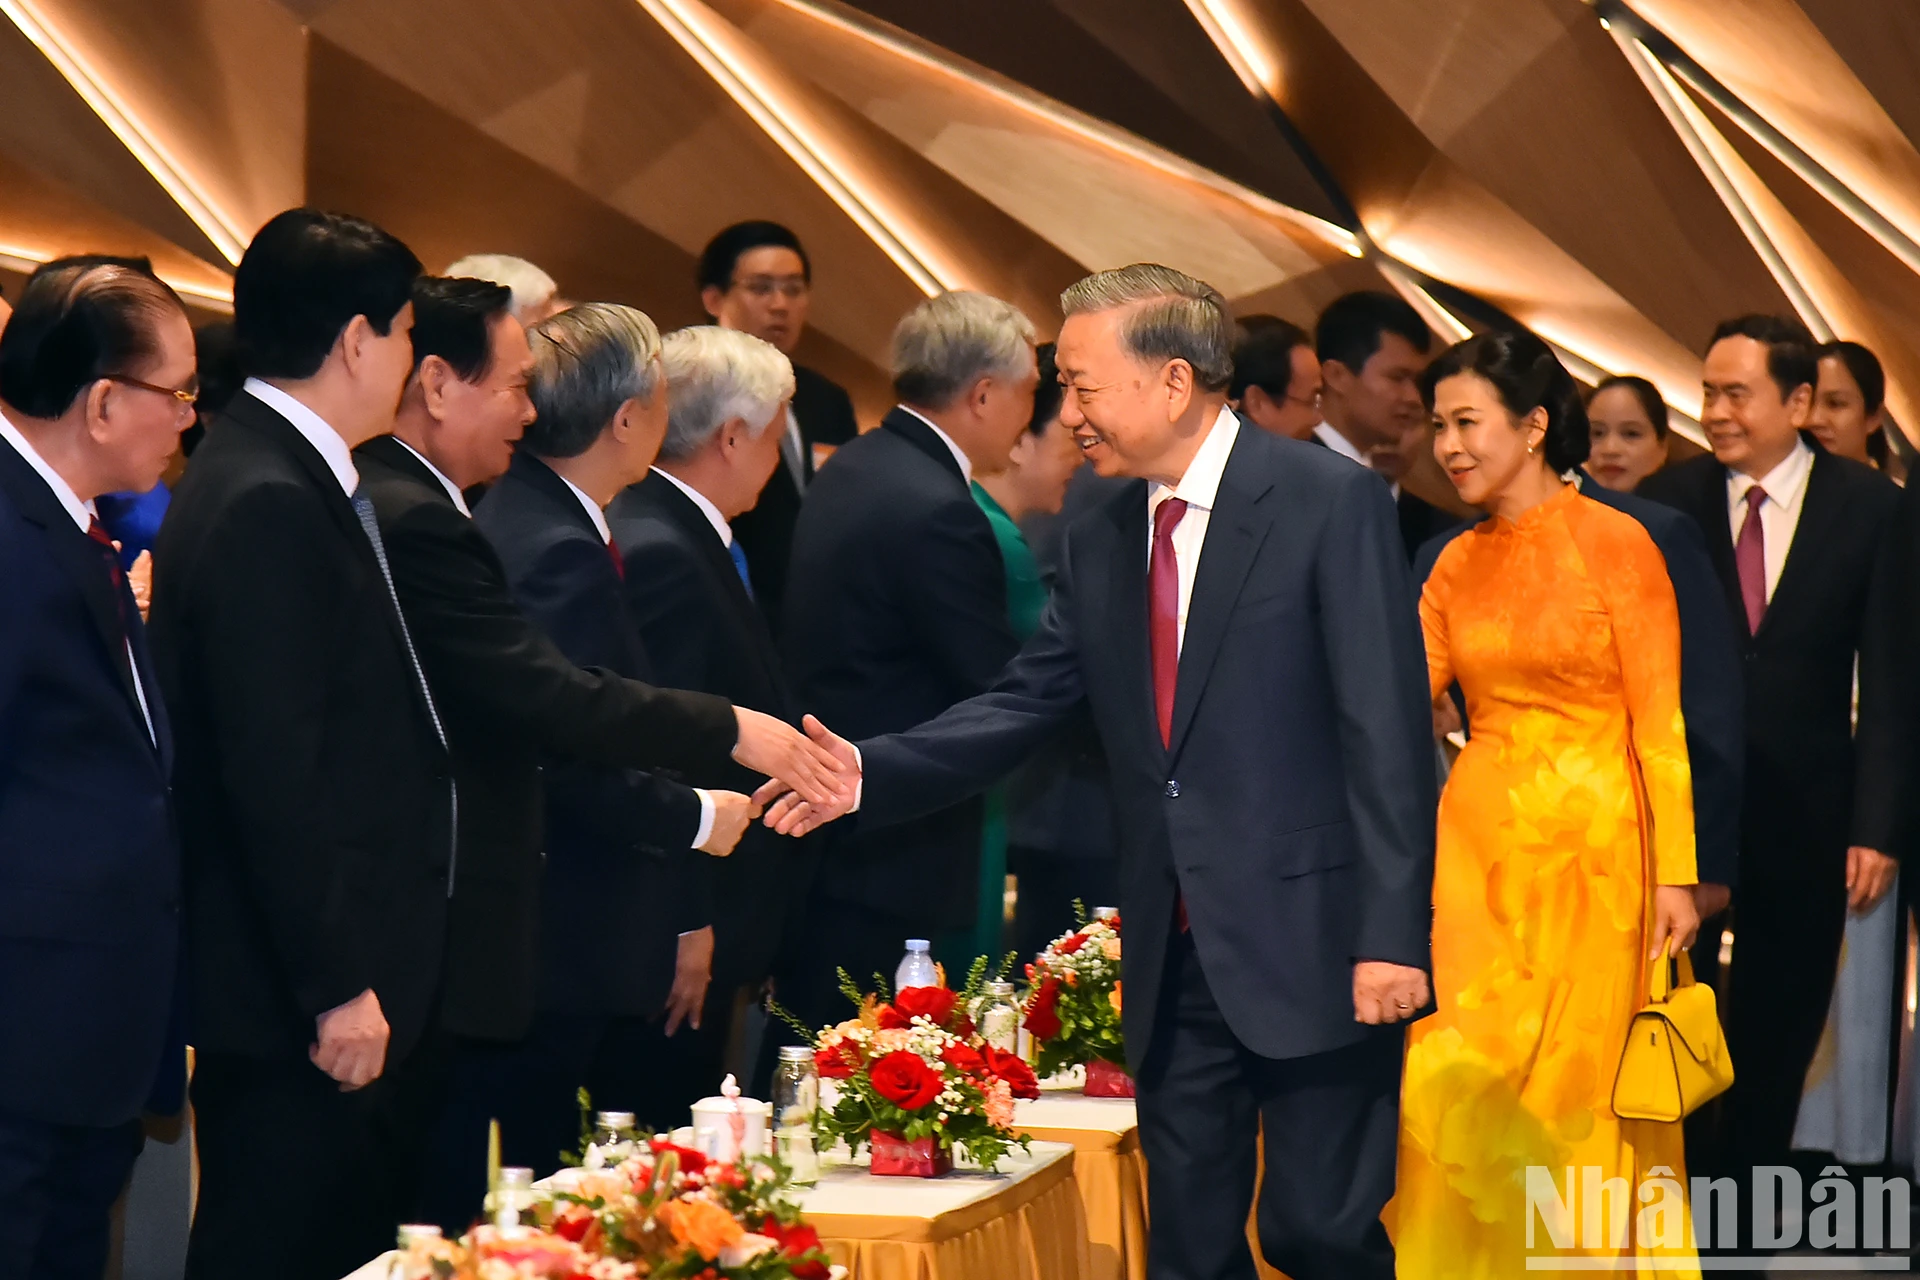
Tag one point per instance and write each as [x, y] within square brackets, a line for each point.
[1073, 997]
[913, 1069]
[646, 1209]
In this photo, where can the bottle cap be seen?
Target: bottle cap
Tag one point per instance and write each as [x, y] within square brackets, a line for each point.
[1105, 913]
[613, 1119]
[412, 1231]
[919, 944]
[515, 1178]
[795, 1053]
[1000, 988]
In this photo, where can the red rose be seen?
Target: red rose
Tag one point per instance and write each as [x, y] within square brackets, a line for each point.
[1012, 1068]
[573, 1223]
[796, 1240]
[936, 1004]
[837, 1062]
[1072, 944]
[1042, 1020]
[691, 1161]
[904, 1080]
[964, 1059]
[891, 1019]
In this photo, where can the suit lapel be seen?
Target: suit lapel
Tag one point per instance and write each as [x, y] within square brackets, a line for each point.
[910, 428]
[1126, 604]
[1236, 529]
[1709, 502]
[1820, 511]
[693, 523]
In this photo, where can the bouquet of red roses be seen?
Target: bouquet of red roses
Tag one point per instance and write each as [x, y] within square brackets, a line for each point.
[912, 1072]
[1073, 1000]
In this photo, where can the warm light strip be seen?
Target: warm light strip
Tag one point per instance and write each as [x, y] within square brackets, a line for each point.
[1257, 71]
[789, 130]
[27, 261]
[115, 114]
[1088, 128]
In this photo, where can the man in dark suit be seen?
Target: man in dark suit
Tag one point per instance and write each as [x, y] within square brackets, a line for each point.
[1276, 376]
[690, 587]
[96, 384]
[315, 804]
[756, 277]
[1796, 537]
[1240, 621]
[898, 610]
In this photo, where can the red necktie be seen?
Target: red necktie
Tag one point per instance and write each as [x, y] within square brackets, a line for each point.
[111, 554]
[1163, 613]
[619, 565]
[1750, 558]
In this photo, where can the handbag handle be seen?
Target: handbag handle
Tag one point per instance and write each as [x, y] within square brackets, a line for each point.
[1662, 984]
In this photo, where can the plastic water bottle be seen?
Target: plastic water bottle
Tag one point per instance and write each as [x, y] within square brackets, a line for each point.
[916, 967]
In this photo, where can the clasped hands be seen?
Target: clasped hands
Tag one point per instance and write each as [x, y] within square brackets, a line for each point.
[791, 810]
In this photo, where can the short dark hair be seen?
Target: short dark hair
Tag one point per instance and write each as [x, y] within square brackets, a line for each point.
[1263, 355]
[1527, 376]
[304, 278]
[79, 320]
[1354, 325]
[453, 319]
[1791, 361]
[1047, 393]
[1863, 365]
[722, 253]
[1646, 393]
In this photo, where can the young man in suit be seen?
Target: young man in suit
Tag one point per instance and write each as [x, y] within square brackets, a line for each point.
[1276, 376]
[315, 803]
[690, 587]
[1796, 537]
[96, 384]
[897, 609]
[1240, 621]
[756, 277]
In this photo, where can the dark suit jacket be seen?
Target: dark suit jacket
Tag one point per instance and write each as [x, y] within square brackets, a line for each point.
[898, 610]
[313, 791]
[622, 878]
[505, 695]
[89, 859]
[825, 413]
[703, 632]
[1886, 813]
[1711, 694]
[1421, 521]
[1294, 811]
[1799, 778]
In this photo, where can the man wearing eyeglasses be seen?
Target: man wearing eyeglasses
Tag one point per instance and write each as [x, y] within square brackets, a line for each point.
[96, 384]
[756, 277]
[1276, 377]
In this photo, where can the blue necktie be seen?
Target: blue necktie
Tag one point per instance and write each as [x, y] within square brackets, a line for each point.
[740, 566]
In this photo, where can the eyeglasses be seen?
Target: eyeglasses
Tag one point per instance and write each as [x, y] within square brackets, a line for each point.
[187, 395]
[792, 288]
[1311, 402]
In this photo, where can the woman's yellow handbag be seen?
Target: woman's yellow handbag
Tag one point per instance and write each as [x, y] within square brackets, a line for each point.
[1676, 1058]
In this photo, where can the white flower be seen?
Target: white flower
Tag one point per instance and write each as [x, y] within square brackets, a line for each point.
[744, 1249]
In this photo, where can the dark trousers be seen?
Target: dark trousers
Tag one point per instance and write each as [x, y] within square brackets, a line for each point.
[1330, 1121]
[299, 1177]
[532, 1087]
[1048, 886]
[57, 1187]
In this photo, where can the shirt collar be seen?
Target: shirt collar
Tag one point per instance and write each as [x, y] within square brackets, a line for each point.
[1338, 443]
[81, 511]
[329, 443]
[1200, 486]
[594, 513]
[959, 454]
[453, 490]
[1785, 484]
[707, 509]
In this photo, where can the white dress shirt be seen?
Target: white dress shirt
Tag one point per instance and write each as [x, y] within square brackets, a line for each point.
[1326, 434]
[1200, 489]
[700, 500]
[599, 518]
[328, 443]
[1786, 489]
[959, 454]
[82, 514]
[453, 490]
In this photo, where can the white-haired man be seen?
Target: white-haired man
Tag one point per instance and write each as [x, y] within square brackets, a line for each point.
[690, 589]
[535, 295]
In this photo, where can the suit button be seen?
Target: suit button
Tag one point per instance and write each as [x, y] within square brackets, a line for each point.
[1173, 789]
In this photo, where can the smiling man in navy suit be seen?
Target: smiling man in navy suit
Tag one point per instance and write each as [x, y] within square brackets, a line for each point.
[96, 384]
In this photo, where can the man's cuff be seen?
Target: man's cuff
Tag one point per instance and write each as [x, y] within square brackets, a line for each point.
[860, 782]
[706, 817]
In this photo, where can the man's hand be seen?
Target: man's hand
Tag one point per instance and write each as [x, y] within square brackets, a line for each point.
[1711, 899]
[1675, 918]
[791, 814]
[1870, 874]
[352, 1047]
[1384, 992]
[731, 814]
[140, 578]
[692, 968]
[784, 754]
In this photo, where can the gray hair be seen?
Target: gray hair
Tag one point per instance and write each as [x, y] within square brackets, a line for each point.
[587, 362]
[1173, 317]
[532, 287]
[952, 340]
[715, 375]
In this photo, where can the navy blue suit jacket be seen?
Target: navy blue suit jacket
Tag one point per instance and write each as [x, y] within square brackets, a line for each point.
[1712, 699]
[90, 879]
[1294, 810]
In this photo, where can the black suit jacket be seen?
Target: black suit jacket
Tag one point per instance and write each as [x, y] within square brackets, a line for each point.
[702, 631]
[1886, 814]
[1294, 810]
[313, 791]
[506, 694]
[89, 858]
[1712, 696]
[824, 412]
[1800, 776]
[897, 610]
[1421, 521]
[622, 878]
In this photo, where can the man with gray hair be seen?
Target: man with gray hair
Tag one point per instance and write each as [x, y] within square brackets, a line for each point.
[1239, 620]
[535, 295]
[896, 609]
